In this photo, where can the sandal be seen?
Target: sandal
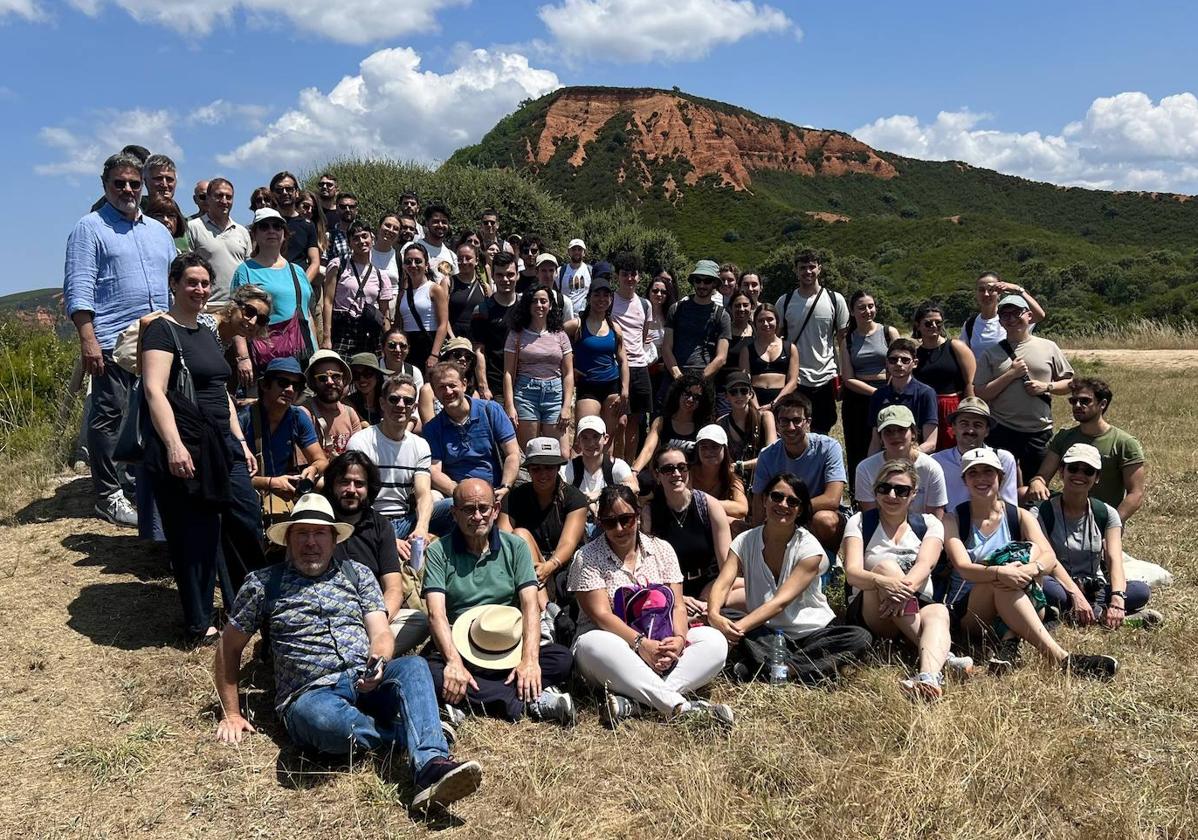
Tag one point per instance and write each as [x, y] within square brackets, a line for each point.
[925, 687]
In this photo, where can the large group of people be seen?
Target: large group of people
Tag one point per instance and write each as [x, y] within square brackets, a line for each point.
[440, 470]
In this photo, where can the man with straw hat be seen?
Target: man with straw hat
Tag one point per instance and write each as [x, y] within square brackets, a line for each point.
[485, 620]
[337, 689]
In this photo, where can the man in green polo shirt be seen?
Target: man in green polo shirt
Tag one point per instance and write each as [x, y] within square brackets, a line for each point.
[1121, 482]
[478, 565]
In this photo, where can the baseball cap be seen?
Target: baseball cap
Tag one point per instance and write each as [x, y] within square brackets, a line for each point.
[543, 451]
[285, 364]
[983, 455]
[592, 422]
[264, 213]
[602, 269]
[1083, 453]
[546, 258]
[599, 284]
[576, 243]
[713, 433]
[895, 415]
[737, 377]
[1013, 300]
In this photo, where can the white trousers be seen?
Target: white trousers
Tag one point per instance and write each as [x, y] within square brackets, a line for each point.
[608, 662]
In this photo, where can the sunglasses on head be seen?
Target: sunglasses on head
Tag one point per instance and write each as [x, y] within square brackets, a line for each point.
[885, 488]
[669, 469]
[400, 399]
[1084, 469]
[621, 520]
[788, 499]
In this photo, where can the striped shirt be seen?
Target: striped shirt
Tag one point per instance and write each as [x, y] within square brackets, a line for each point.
[399, 462]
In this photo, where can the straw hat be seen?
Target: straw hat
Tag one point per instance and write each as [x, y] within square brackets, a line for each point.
[311, 509]
[490, 636]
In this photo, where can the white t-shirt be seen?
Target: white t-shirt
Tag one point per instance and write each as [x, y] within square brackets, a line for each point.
[440, 254]
[950, 463]
[904, 552]
[806, 613]
[817, 343]
[398, 463]
[386, 262]
[565, 284]
[930, 494]
[987, 332]
[592, 483]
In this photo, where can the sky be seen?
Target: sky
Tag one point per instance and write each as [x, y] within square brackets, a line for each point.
[1070, 93]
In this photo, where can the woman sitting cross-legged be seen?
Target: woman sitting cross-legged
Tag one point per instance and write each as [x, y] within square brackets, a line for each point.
[1087, 536]
[889, 554]
[658, 661]
[782, 563]
[979, 537]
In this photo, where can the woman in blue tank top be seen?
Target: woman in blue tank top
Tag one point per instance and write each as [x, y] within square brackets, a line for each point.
[980, 593]
[600, 366]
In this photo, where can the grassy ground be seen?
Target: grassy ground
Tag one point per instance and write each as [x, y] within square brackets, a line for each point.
[106, 724]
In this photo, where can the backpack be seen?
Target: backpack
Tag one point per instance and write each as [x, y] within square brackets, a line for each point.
[647, 609]
[1048, 516]
[1010, 351]
[274, 586]
[786, 305]
[965, 523]
[970, 323]
[871, 519]
[580, 470]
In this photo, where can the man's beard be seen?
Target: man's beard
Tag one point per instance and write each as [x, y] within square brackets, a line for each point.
[340, 509]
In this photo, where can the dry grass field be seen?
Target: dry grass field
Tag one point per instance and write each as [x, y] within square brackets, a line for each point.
[106, 724]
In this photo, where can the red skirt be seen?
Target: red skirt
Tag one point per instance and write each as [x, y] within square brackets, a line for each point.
[946, 404]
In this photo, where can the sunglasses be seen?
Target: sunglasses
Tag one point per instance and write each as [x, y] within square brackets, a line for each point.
[347, 207]
[328, 184]
[623, 520]
[691, 395]
[1081, 400]
[251, 313]
[1085, 469]
[900, 491]
[286, 189]
[657, 291]
[933, 324]
[739, 392]
[899, 360]
[780, 498]
[398, 399]
[397, 345]
[323, 378]
[270, 225]
[471, 510]
[284, 384]
[458, 354]
[670, 469]
[121, 183]
[363, 373]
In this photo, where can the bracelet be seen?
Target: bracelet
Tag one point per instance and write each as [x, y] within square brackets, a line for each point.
[239, 440]
[636, 644]
[243, 359]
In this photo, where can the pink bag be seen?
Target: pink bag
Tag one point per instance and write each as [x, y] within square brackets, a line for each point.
[289, 338]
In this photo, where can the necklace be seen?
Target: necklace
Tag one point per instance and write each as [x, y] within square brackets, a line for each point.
[680, 517]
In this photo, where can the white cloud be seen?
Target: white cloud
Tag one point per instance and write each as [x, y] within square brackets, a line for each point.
[219, 111]
[83, 151]
[348, 21]
[27, 9]
[392, 108]
[1123, 142]
[648, 30]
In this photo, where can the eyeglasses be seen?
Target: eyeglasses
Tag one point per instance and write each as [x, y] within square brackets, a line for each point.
[121, 183]
[413, 262]
[885, 488]
[472, 510]
[400, 399]
[670, 469]
[1009, 312]
[784, 422]
[251, 313]
[780, 498]
[1081, 400]
[269, 225]
[282, 189]
[323, 378]
[621, 521]
[397, 345]
[1085, 469]
[739, 392]
[899, 360]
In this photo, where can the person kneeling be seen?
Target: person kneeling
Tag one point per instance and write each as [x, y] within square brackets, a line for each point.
[647, 657]
[481, 581]
[889, 554]
[782, 563]
[337, 688]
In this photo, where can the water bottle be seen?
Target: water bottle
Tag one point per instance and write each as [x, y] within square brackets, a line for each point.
[416, 558]
[778, 670]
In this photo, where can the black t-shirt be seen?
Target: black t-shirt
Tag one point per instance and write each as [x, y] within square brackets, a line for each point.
[331, 218]
[201, 350]
[301, 235]
[546, 525]
[489, 328]
[372, 544]
[463, 299]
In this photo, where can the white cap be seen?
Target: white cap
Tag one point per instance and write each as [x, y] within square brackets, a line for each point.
[263, 213]
[714, 433]
[1083, 453]
[977, 457]
[546, 258]
[592, 422]
[576, 243]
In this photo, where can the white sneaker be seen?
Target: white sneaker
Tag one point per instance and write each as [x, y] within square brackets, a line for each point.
[117, 510]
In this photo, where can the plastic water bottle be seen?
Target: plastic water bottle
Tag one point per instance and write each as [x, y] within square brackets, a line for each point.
[416, 558]
[778, 670]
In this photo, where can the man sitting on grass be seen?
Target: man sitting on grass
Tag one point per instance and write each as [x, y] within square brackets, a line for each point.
[336, 687]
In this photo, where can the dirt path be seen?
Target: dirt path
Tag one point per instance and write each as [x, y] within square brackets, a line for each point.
[1150, 359]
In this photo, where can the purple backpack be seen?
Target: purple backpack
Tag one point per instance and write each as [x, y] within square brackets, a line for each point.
[647, 609]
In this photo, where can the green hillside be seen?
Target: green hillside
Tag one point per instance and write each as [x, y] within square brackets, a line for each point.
[29, 301]
[1093, 252]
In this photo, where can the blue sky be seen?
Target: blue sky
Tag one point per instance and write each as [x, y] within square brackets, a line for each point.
[1068, 93]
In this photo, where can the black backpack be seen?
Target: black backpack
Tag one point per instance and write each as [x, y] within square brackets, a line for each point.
[579, 471]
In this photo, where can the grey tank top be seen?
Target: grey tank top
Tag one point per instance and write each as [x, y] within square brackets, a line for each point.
[868, 352]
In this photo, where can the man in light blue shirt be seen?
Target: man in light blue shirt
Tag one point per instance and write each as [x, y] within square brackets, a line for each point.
[116, 269]
[816, 459]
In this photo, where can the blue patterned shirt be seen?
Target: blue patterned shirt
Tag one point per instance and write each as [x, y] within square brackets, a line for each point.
[317, 628]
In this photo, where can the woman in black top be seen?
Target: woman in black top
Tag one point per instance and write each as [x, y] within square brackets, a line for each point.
[687, 409]
[770, 361]
[740, 310]
[466, 289]
[946, 365]
[693, 523]
[749, 429]
[196, 455]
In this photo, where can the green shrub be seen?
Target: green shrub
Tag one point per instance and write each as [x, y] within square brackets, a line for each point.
[35, 368]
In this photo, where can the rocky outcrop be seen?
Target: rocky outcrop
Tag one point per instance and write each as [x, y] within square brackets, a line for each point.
[662, 126]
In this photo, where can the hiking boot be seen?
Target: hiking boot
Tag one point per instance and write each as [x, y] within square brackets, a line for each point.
[443, 781]
[117, 510]
[1147, 619]
[717, 713]
[554, 705]
[960, 668]
[1091, 666]
[615, 709]
[1005, 657]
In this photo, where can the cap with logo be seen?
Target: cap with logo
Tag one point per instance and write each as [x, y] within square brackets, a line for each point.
[543, 451]
[982, 456]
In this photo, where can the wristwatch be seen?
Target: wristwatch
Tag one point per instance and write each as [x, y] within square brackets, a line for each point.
[1119, 593]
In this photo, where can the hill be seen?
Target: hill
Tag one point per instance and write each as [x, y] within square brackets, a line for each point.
[740, 186]
[36, 306]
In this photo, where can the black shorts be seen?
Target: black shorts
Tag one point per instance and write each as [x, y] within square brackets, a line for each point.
[640, 391]
[598, 391]
[854, 614]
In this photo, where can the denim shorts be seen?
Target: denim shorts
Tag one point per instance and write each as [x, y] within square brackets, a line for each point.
[538, 400]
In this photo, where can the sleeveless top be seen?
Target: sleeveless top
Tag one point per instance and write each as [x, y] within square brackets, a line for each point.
[939, 370]
[868, 352]
[979, 547]
[759, 365]
[422, 297]
[672, 438]
[691, 539]
[595, 355]
[463, 298]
